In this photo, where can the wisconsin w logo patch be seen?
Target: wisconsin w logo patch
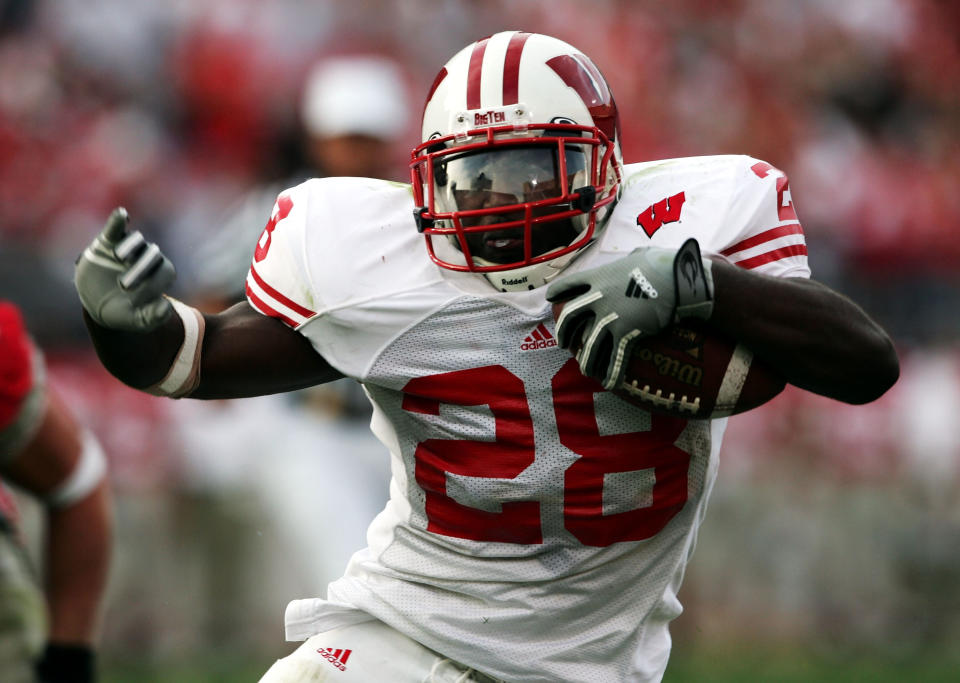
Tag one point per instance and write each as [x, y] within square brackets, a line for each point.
[666, 210]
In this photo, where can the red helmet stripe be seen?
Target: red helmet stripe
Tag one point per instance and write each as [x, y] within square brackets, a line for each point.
[603, 92]
[592, 90]
[511, 67]
[433, 88]
[473, 75]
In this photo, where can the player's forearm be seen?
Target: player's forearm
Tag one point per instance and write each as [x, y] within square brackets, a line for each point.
[248, 354]
[77, 559]
[138, 359]
[816, 338]
[233, 363]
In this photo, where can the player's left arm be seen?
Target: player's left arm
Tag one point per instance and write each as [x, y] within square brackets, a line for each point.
[815, 337]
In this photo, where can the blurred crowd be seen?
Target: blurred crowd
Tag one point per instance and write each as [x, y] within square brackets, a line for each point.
[195, 113]
[176, 109]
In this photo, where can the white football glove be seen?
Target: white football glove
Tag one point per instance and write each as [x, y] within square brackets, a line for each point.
[610, 307]
[121, 277]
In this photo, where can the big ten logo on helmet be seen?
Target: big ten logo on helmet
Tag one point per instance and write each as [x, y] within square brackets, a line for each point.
[487, 118]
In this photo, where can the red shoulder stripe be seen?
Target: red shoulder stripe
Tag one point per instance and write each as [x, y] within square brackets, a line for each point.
[781, 231]
[770, 256]
[286, 301]
[259, 304]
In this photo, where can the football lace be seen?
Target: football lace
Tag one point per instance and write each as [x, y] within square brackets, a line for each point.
[657, 398]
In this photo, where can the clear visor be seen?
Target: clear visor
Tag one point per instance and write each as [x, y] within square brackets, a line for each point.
[507, 176]
[489, 180]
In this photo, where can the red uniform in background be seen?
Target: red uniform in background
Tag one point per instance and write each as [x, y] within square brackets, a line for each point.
[46, 453]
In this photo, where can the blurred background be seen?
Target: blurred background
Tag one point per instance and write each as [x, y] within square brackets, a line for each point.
[831, 549]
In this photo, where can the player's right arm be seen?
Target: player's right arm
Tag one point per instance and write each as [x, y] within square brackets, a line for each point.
[157, 344]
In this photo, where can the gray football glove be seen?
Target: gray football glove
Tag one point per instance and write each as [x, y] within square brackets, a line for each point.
[610, 307]
[121, 277]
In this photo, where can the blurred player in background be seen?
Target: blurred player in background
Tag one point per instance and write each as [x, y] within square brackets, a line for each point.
[354, 109]
[47, 454]
[538, 527]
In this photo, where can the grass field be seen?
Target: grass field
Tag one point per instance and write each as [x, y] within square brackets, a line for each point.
[727, 666]
[750, 666]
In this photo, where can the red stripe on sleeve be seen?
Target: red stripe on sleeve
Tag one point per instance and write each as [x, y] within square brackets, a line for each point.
[266, 310]
[289, 303]
[511, 68]
[473, 75]
[775, 255]
[792, 229]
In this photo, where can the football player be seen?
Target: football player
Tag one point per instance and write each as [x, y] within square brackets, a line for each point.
[538, 526]
[45, 452]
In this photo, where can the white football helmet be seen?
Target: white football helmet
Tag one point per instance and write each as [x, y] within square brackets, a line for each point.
[519, 164]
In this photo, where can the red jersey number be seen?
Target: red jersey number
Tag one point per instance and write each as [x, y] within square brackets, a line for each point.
[785, 211]
[281, 210]
[601, 455]
[513, 451]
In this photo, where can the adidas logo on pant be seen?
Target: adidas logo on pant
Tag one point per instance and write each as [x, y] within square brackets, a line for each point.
[540, 338]
[337, 657]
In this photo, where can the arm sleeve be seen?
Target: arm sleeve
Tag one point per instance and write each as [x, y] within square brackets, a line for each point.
[764, 233]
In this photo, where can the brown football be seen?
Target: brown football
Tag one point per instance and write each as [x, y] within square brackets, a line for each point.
[690, 371]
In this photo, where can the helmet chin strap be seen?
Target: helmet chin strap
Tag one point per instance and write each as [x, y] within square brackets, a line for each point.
[531, 277]
[539, 274]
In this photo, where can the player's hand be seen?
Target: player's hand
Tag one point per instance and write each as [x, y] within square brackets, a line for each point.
[121, 277]
[610, 307]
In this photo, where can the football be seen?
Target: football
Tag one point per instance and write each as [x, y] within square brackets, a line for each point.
[690, 371]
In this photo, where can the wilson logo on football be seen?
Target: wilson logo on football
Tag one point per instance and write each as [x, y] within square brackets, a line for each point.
[540, 338]
[336, 657]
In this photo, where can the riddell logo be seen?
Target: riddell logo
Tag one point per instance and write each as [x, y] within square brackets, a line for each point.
[336, 657]
[540, 338]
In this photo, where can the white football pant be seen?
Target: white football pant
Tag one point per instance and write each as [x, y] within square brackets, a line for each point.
[365, 652]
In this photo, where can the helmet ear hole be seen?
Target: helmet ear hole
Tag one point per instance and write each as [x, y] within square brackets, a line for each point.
[440, 175]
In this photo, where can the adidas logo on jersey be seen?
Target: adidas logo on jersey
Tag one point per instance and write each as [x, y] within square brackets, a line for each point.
[540, 338]
[336, 657]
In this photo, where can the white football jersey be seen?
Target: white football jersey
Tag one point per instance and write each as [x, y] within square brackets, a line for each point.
[538, 527]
